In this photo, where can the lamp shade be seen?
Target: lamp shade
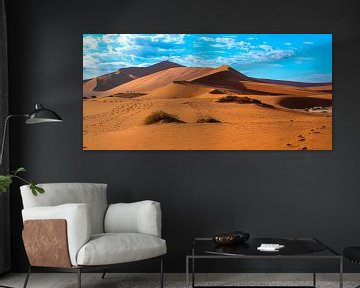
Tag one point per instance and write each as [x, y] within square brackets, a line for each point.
[42, 115]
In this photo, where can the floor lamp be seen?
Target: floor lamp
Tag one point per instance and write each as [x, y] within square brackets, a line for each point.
[39, 115]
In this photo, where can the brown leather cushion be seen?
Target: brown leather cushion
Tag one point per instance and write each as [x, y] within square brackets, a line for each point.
[46, 243]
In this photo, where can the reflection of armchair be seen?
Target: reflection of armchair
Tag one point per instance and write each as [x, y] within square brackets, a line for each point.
[71, 228]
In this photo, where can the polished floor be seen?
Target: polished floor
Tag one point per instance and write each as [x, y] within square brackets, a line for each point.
[122, 280]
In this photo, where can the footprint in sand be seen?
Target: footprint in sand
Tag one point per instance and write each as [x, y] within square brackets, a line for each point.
[301, 138]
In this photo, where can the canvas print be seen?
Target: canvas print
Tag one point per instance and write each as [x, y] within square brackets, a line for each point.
[207, 92]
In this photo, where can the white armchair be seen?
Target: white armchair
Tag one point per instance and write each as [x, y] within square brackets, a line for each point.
[72, 228]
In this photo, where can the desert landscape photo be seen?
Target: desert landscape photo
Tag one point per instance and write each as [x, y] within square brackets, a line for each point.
[207, 92]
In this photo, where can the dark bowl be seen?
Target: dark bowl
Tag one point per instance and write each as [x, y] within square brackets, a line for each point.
[225, 239]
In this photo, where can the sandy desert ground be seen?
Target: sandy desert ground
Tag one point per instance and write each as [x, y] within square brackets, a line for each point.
[259, 114]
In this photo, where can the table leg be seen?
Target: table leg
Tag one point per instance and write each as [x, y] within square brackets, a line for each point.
[187, 272]
[193, 272]
[341, 273]
[314, 271]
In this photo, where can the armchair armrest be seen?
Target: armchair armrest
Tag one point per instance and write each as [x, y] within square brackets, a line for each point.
[139, 217]
[77, 217]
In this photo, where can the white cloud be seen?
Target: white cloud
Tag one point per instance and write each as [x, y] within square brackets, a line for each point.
[243, 43]
[252, 38]
[126, 41]
[167, 38]
[109, 38]
[266, 47]
[308, 43]
[90, 42]
[288, 43]
[115, 63]
[227, 42]
[269, 55]
[89, 61]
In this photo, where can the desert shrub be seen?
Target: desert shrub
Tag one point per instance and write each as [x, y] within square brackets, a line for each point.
[207, 119]
[243, 100]
[240, 100]
[161, 117]
[93, 96]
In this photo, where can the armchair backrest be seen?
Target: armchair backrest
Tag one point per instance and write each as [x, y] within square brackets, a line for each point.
[55, 194]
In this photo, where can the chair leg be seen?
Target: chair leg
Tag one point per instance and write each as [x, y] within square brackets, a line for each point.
[103, 275]
[161, 272]
[27, 277]
[79, 278]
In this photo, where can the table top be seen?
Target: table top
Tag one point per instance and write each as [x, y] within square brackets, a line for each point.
[293, 247]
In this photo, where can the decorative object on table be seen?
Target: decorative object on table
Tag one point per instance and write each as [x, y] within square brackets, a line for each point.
[231, 238]
[96, 236]
[242, 236]
[225, 239]
[270, 247]
[39, 115]
[209, 84]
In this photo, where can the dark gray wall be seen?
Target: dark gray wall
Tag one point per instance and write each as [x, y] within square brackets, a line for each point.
[267, 193]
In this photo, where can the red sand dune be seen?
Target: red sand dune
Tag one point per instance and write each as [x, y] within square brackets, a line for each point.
[143, 71]
[223, 77]
[88, 87]
[111, 80]
[292, 83]
[179, 90]
[150, 82]
[108, 81]
[204, 82]
[279, 89]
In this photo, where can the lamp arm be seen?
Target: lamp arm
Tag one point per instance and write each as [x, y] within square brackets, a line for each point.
[4, 134]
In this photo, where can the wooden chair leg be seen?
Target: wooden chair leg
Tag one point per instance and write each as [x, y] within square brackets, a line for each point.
[79, 278]
[27, 277]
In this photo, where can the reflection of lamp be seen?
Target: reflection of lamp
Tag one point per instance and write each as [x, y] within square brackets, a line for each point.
[39, 115]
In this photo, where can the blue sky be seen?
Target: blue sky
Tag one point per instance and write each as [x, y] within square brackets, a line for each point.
[297, 57]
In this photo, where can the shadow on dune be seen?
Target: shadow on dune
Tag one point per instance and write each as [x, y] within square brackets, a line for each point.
[304, 102]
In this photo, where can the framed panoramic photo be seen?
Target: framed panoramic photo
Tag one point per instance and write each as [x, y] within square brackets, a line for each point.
[207, 92]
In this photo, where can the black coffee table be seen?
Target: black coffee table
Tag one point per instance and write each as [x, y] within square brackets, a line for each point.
[295, 248]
